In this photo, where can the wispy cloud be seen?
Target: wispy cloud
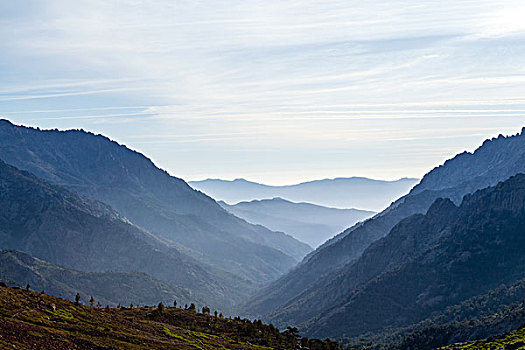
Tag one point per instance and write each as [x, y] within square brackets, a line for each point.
[232, 88]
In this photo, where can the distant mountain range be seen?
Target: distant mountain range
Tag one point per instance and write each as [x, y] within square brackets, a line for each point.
[353, 192]
[214, 252]
[309, 223]
[335, 290]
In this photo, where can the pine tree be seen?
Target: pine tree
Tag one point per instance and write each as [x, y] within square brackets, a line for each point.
[91, 301]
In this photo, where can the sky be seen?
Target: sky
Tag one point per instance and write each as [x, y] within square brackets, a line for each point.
[277, 92]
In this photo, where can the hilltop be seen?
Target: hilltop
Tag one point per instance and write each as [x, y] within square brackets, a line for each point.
[32, 320]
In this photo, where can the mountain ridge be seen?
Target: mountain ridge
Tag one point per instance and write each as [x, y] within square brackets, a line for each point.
[504, 155]
[307, 222]
[152, 199]
[473, 249]
[341, 192]
[107, 287]
[52, 223]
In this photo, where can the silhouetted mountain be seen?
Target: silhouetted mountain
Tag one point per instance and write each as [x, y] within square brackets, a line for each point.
[428, 262]
[66, 229]
[152, 199]
[353, 192]
[108, 288]
[282, 300]
[309, 223]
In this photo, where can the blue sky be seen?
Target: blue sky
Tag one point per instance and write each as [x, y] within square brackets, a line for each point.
[273, 91]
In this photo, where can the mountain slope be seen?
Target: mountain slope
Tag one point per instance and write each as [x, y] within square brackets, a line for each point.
[504, 156]
[151, 198]
[309, 223]
[469, 251]
[30, 320]
[514, 340]
[353, 192]
[499, 311]
[66, 229]
[108, 288]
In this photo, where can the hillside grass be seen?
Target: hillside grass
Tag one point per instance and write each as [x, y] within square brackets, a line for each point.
[32, 320]
[510, 341]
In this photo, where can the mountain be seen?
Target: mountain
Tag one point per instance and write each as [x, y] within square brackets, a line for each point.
[59, 226]
[31, 320]
[496, 160]
[108, 287]
[309, 223]
[427, 263]
[353, 192]
[499, 311]
[150, 198]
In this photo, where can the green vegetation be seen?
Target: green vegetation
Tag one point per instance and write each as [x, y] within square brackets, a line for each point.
[30, 320]
[510, 341]
[496, 312]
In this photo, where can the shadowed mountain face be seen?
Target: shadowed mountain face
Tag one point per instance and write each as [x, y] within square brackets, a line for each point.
[499, 311]
[282, 300]
[430, 262]
[354, 192]
[309, 223]
[152, 199]
[64, 228]
[108, 288]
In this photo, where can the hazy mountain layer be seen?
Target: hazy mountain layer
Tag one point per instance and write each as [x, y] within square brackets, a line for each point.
[152, 199]
[309, 223]
[66, 229]
[505, 156]
[353, 192]
[108, 288]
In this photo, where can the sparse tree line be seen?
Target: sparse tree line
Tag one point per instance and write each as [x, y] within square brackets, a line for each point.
[215, 323]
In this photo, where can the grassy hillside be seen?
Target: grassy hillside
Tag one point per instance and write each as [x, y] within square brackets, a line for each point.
[511, 341]
[31, 320]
